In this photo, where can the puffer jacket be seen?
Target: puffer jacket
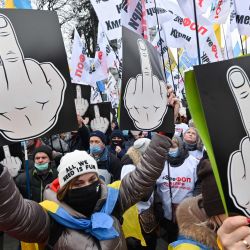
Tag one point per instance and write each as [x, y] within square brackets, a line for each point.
[27, 221]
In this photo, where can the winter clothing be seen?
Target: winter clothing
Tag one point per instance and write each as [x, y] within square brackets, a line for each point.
[72, 165]
[100, 135]
[38, 182]
[43, 149]
[114, 144]
[141, 144]
[196, 149]
[79, 140]
[17, 216]
[209, 189]
[184, 243]
[117, 133]
[192, 222]
[109, 166]
[141, 220]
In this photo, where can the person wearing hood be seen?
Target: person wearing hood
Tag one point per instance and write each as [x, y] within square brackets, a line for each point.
[79, 212]
[176, 183]
[193, 143]
[200, 217]
[41, 174]
[117, 145]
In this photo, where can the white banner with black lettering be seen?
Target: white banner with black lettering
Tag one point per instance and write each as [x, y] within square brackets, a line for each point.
[202, 8]
[181, 33]
[109, 15]
[240, 16]
[108, 54]
[166, 10]
[112, 91]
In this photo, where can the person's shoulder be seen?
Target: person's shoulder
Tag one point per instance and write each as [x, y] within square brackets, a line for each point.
[192, 160]
[21, 177]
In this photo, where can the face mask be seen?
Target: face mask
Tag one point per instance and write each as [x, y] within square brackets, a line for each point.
[95, 149]
[116, 142]
[125, 132]
[174, 153]
[83, 199]
[41, 167]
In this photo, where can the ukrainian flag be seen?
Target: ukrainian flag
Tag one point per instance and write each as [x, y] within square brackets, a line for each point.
[18, 4]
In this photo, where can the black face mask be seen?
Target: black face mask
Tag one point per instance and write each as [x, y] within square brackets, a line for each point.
[117, 143]
[84, 199]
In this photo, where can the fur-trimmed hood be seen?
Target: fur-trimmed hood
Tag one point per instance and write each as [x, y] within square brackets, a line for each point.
[193, 222]
[135, 155]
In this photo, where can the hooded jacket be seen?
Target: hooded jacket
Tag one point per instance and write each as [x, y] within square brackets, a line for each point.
[27, 221]
[193, 227]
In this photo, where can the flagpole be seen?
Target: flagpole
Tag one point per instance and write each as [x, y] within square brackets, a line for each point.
[246, 44]
[197, 34]
[241, 42]
[158, 27]
[225, 41]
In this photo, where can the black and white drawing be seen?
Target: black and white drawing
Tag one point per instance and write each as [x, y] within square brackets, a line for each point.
[10, 160]
[224, 89]
[145, 96]
[99, 122]
[238, 169]
[36, 94]
[144, 102]
[18, 117]
[81, 104]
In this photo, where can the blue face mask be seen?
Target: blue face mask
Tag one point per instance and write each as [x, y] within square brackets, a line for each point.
[42, 167]
[174, 153]
[95, 149]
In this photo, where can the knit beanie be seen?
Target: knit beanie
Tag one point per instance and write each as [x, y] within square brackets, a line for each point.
[99, 134]
[211, 198]
[117, 133]
[141, 144]
[43, 149]
[75, 164]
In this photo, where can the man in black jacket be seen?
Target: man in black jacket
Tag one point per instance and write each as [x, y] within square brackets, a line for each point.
[40, 175]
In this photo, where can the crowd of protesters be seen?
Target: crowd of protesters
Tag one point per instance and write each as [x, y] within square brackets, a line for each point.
[119, 190]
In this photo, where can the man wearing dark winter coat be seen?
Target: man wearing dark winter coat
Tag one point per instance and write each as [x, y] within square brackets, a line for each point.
[40, 175]
[109, 165]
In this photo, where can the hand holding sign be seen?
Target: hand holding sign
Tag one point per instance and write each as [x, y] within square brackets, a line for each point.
[12, 163]
[238, 165]
[99, 123]
[80, 103]
[145, 97]
[31, 93]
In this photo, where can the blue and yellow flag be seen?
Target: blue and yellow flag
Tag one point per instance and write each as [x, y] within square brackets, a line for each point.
[18, 4]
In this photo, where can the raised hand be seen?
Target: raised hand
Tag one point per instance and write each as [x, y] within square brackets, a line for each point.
[31, 93]
[99, 123]
[239, 161]
[145, 97]
[13, 164]
[81, 104]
